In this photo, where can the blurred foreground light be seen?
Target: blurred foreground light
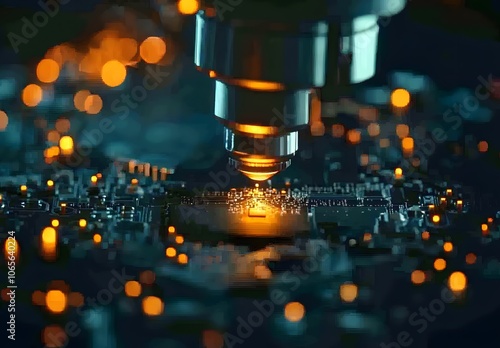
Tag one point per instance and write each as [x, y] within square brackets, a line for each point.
[448, 247]
[50, 183]
[56, 301]
[171, 229]
[457, 281]
[482, 146]
[188, 7]
[49, 235]
[417, 277]
[348, 292]
[425, 235]
[79, 99]
[66, 145]
[170, 252]
[294, 311]
[133, 288]
[113, 73]
[470, 258]
[55, 223]
[4, 120]
[182, 259]
[147, 277]
[32, 95]
[54, 336]
[179, 239]
[93, 104]
[153, 49]
[47, 70]
[152, 306]
[436, 219]
[82, 223]
[400, 98]
[97, 238]
[439, 264]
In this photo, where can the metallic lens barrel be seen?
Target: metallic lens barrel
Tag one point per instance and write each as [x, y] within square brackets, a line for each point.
[267, 56]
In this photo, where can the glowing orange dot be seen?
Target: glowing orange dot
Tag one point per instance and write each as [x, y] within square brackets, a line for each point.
[179, 239]
[152, 306]
[484, 227]
[133, 288]
[448, 247]
[294, 311]
[188, 7]
[171, 229]
[439, 264]
[354, 136]
[93, 104]
[182, 259]
[407, 144]
[482, 146]
[153, 49]
[32, 95]
[4, 121]
[79, 99]
[56, 301]
[417, 277]
[97, 238]
[400, 98]
[170, 252]
[425, 235]
[113, 73]
[47, 70]
[457, 281]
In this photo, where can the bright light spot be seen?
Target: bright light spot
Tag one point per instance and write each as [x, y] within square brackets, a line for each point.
[50, 183]
[97, 238]
[153, 49]
[49, 235]
[182, 259]
[93, 104]
[294, 311]
[4, 120]
[436, 219]
[439, 264]
[398, 171]
[133, 288]
[93, 179]
[482, 146]
[32, 95]
[152, 306]
[79, 99]
[82, 223]
[171, 229]
[457, 281]
[55, 223]
[348, 292]
[113, 73]
[66, 144]
[188, 7]
[170, 252]
[179, 239]
[417, 277]
[448, 247]
[400, 98]
[56, 301]
[47, 70]
[425, 235]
